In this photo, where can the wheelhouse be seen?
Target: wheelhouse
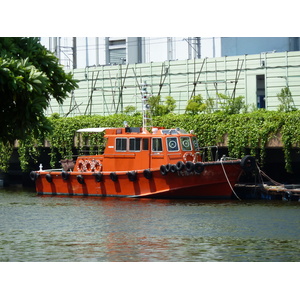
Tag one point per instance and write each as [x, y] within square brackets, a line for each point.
[142, 149]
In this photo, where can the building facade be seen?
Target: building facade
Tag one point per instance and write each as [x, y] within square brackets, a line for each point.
[109, 89]
[81, 52]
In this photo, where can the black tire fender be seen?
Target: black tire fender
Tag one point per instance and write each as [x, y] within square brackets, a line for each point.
[98, 177]
[33, 175]
[173, 168]
[147, 173]
[248, 163]
[49, 178]
[189, 166]
[168, 167]
[163, 170]
[180, 165]
[132, 175]
[199, 167]
[113, 176]
[80, 179]
[65, 175]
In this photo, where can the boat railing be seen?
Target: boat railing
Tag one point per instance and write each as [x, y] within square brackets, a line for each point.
[209, 153]
[87, 150]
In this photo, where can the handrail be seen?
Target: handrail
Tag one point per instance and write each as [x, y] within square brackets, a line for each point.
[204, 151]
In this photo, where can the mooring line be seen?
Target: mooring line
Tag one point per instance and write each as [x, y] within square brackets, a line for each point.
[229, 182]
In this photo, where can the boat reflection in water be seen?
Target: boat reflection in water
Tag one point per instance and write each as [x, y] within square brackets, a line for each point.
[122, 229]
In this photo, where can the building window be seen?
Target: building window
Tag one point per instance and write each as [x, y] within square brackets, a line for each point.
[116, 51]
[117, 42]
[117, 56]
[260, 91]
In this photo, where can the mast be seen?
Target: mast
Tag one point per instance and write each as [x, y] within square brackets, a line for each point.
[147, 119]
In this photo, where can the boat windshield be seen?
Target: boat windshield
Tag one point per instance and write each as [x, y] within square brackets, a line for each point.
[173, 131]
[172, 144]
[185, 143]
[195, 143]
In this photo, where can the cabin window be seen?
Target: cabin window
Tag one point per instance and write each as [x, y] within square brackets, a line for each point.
[186, 143]
[195, 143]
[121, 144]
[156, 144]
[172, 144]
[134, 144]
[145, 144]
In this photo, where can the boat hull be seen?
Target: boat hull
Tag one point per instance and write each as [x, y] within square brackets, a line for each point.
[215, 181]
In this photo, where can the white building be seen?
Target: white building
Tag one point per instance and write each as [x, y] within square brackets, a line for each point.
[81, 52]
[110, 70]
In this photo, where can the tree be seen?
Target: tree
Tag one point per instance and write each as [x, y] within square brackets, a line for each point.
[232, 105]
[195, 105]
[158, 109]
[286, 100]
[129, 110]
[30, 76]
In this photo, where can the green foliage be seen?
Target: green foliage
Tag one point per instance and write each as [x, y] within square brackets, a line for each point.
[195, 105]
[129, 110]
[209, 102]
[5, 154]
[29, 149]
[22, 88]
[158, 109]
[286, 100]
[290, 135]
[55, 116]
[230, 105]
[29, 76]
[247, 133]
[170, 105]
[60, 82]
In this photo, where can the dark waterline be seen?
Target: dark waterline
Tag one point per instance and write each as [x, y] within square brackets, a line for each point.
[35, 228]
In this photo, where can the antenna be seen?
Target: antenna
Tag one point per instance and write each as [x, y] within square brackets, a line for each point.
[147, 119]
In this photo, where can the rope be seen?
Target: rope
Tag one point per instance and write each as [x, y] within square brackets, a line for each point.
[269, 178]
[229, 182]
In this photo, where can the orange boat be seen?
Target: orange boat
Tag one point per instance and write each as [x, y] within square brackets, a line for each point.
[144, 162]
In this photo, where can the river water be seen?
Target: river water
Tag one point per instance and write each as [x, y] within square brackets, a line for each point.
[40, 229]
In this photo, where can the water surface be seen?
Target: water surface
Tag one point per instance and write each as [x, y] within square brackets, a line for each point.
[36, 228]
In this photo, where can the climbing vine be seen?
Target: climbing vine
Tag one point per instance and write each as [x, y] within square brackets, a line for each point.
[247, 133]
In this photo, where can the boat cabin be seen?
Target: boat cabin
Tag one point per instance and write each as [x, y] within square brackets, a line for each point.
[134, 148]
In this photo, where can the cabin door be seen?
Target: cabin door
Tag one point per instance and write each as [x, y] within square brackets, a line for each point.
[157, 157]
[146, 152]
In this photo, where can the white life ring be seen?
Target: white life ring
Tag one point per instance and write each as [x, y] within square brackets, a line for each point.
[81, 165]
[197, 157]
[88, 166]
[95, 165]
[85, 165]
[186, 155]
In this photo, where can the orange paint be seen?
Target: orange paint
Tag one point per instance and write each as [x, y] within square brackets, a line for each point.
[140, 163]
